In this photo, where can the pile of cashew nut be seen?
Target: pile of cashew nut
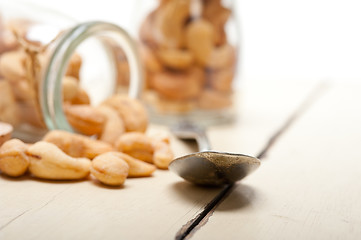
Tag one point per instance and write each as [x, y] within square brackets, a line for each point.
[189, 61]
[110, 143]
[62, 155]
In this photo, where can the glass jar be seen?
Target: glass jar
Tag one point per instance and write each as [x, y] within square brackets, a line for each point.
[46, 59]
[189, 50]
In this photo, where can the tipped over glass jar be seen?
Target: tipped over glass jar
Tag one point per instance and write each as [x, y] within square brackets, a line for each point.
[47, 61]
[189, 50]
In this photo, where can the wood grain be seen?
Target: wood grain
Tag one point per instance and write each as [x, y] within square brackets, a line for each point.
[309, 186]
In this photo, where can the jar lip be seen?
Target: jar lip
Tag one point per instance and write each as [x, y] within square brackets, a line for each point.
[51, 88]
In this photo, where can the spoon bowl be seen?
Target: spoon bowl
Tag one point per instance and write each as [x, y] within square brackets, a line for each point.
[211, 168]
[206, 167]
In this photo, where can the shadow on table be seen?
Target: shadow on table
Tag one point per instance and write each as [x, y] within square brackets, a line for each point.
[28, 177]
[239, 197]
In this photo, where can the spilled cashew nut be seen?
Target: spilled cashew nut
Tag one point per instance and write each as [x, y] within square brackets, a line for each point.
[13, 160]
[137, 168]
[77, 145]
[113, 126]
[137, 145]
[109, 169]
[163, 154]
[148, 149]
[47, 161]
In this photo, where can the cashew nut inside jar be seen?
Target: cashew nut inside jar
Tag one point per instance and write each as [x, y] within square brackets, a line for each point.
[54, 71]
[190, 54]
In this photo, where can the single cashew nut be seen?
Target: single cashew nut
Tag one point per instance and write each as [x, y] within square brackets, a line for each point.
[169, 23]
[74, 66]
[113, 126]
[176, 58]
[222, 57]
[85, 119]
[137, 145]
[70, 88]
[179, 85]
[137, 168]
[13, 160]
[132, 112]
[77, 145]
[163, 154]
[81, 98]
[218, 15]
[200, 40]
[109, 169]
[49, 162]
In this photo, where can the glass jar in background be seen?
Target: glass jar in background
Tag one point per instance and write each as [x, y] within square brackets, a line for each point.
[189, 50]
[48, 61]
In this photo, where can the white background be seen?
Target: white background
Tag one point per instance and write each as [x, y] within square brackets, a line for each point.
[287, 39]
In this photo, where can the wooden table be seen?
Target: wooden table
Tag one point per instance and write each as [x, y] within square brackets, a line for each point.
[307, 135]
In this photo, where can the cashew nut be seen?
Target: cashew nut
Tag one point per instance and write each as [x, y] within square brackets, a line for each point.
[77, 145]
[200, 40]
[163, 154]
[113, 126]
[12, 65]
[13, 160]
[132, 112]
[137, 145]
[176, 58]
[169, 23]
[74, 66]
[49, 162]
[86, 119]
[137, 168]
[179, 85]
[109, 169]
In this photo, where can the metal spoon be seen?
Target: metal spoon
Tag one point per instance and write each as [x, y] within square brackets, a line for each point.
[209, 168]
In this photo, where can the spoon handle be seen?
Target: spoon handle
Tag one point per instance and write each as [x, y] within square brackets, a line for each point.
[202, 139]
[189, 130]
